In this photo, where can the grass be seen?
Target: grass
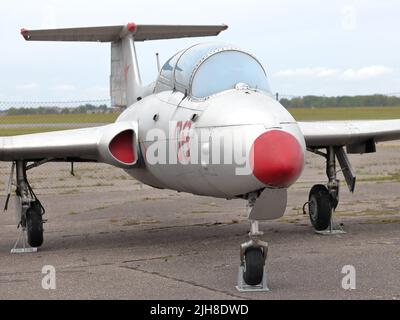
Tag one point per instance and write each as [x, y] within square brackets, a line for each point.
[383, 221]
[132, 222]
[200, 212]
[22, 130]
[367, 213]
[306, 114]
[359, 113]
[390, 177]
[60, 118]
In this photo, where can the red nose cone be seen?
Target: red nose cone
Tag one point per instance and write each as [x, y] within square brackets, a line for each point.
[277, 159]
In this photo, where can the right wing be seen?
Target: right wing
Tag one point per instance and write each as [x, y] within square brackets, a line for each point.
[114, 144]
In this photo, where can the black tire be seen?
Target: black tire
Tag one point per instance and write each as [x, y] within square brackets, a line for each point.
[320, 208]
[34, 225]
[254, 266]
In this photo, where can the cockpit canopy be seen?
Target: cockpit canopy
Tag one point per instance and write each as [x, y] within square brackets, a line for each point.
[206, 69]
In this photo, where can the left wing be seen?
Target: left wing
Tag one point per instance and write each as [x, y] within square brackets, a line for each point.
[358, 136]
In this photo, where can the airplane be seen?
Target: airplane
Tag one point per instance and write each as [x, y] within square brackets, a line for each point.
[169, 136]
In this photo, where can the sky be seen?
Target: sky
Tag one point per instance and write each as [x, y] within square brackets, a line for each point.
[337, 47]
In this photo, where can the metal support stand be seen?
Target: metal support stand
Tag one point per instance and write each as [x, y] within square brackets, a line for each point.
[334, 188]
[333, 230]
[255, 242]
[24, 249]
[243, 287]
[26, 198]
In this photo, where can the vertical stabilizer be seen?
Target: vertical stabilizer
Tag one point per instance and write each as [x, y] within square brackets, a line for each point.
[125, 81]
[125, 84]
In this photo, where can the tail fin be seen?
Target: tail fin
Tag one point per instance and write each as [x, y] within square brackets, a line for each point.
[125, 83]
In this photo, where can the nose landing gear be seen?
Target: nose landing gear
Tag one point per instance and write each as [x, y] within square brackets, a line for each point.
[254, 262]
[252, 275]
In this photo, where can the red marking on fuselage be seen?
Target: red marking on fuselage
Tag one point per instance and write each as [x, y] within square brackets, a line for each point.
[183, 140]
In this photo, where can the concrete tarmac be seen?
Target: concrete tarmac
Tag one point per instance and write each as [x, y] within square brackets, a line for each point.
[109, 237]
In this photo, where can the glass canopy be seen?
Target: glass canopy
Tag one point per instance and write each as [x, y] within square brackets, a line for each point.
[206, 69]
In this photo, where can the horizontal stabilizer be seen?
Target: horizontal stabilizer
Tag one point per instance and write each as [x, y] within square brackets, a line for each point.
[115, 33]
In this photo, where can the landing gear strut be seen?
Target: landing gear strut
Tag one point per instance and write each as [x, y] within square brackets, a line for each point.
[323, 200]
[29, 209]
[253, 255]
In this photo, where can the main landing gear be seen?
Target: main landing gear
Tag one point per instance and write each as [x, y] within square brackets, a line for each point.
[29, 209]
[323, 200]
[253, 255]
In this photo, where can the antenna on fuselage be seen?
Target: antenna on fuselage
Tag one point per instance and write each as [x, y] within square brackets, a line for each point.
[158, 62]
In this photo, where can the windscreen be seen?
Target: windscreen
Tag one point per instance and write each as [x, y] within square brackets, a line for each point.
[224, 70]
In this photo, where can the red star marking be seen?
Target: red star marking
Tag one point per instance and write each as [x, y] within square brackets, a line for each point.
[126, 71]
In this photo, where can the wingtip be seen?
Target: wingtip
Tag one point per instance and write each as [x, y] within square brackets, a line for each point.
[25, 33]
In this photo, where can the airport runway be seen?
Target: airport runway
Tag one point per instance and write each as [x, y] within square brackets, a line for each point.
[108, 237]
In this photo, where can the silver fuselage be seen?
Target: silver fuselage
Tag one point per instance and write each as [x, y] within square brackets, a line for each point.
[248, 113]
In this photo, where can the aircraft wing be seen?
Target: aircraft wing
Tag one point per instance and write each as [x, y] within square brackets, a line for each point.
[114, 33]
[359, 136]
[113, 144]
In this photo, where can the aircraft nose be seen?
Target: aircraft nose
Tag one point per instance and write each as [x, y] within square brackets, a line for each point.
[277, 159]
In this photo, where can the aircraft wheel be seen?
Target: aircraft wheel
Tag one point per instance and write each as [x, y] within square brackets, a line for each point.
[34, 225]
[320, 208]
[254, 266]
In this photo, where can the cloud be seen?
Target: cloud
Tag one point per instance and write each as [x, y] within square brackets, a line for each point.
[360, 74]
[64, 88]
[27, 86]
[307, 72]
[367, 73]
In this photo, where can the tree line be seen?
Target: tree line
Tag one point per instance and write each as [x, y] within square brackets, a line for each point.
[341, 102]
[83, 109]
[299, 102]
